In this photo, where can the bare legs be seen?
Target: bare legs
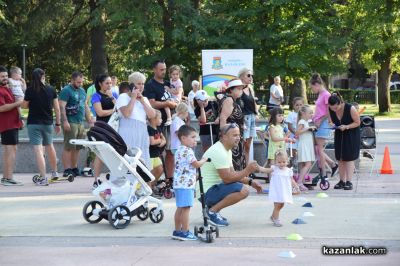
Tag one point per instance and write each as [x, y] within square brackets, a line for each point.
[169, 163]
[70, 158]
[10, 152]
[305, 167]
[277, 208]
[40, 161]
[182, 219]
[323, 157]
[97, 165]
[346, 170]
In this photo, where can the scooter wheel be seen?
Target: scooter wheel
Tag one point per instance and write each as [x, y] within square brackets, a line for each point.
[209, 236]
[216, 230]
[324, 185]
[35, 178]
[168, 193]
[88, 211]
[71, 178]
[196, 231]
[156, 217]
[144, 214]
[119, 217]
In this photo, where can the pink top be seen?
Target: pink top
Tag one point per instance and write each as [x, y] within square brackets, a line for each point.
[321, 105]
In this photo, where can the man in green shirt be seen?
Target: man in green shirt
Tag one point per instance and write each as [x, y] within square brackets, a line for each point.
[73, 109]
[223, 185]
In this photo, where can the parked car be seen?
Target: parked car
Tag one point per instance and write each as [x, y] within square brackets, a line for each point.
[395, 86]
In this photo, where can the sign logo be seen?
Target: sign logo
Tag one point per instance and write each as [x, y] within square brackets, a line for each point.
[217, 63]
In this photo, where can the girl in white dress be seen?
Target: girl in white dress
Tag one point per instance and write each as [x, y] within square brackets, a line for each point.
[281, 184]
[305, 146]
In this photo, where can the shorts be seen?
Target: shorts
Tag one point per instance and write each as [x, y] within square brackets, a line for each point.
[250, 126]
[324, 131]
[9, 137]
[166, 132]
[218, 192]
[155, 162]
[77, 132]
[206, 140]
[40, 134]
[184, 197]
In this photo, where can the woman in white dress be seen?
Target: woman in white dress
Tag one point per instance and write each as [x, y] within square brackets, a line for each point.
[305, 145]
[135, 108]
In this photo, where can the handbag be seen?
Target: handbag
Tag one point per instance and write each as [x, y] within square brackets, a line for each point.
[114, 120]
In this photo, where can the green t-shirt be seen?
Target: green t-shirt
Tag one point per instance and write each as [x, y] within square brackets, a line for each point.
[221, 158]
[74, 96]
[89, 93]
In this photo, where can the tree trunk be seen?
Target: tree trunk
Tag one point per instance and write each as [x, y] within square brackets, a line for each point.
[298, 89]
[99, 63]
[383, 84]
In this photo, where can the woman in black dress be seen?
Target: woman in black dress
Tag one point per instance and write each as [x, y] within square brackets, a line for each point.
[346, 120]
[230, 112]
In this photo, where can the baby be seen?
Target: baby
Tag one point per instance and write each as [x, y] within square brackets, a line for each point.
[17, 85]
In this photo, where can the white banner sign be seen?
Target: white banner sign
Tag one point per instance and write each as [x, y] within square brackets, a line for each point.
[223, 65]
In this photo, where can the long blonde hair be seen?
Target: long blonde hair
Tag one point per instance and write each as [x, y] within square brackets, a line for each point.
[180, 109]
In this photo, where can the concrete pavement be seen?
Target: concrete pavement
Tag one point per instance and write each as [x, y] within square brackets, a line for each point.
[44, 225]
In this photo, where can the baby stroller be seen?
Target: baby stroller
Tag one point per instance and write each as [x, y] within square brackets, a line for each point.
[126, 193]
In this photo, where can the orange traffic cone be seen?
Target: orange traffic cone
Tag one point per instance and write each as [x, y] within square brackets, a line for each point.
[386, 165]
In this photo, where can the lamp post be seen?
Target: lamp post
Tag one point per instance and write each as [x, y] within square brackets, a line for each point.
[23, 60]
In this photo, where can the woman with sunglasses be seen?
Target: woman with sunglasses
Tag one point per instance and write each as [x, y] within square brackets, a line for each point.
[231, 112]
[249, 109]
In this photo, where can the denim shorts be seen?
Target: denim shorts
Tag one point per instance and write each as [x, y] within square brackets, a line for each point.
[324, 131]
[40, 134]
[184, 197]
[250, 126]
[218, 192]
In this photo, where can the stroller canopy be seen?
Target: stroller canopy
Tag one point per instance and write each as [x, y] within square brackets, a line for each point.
[101, 131]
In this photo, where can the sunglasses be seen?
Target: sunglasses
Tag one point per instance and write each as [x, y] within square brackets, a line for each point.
[231, 125]
[250, 75]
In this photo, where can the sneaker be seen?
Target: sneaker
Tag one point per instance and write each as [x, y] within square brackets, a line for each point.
[334, 169]
[339, 185]
[42, 181]
[67, 172]
[54, 176]
[96, 183]
[76, 172]
[276, 222]
[10, 182]
[177, 235]
[219, 215]
[348, 186]
[216, 219]
[188, 236]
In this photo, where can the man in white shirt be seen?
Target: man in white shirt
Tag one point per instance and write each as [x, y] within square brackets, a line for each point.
[276, 94]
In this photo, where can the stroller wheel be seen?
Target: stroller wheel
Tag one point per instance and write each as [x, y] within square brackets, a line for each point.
[324, 185]
[88, 214]
[35, 178]
[156, 217]
[168, 193]
[143, 214]
[71, 178]
[119, 217]
[196, 231]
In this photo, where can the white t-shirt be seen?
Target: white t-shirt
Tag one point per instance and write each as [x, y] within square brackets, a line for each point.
[177, 122]
[277, 91]
[190, 100]
[16, 87]
[292, 119]
[115, 89]
[138, 112]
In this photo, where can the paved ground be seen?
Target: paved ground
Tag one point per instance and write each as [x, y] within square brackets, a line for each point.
[44, 225]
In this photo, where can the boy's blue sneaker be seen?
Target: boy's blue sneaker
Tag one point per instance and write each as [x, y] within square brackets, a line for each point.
[188, 236]
[216, 219]
[177, 235]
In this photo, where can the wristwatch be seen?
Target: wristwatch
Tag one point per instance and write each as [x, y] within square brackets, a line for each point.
[250, 181]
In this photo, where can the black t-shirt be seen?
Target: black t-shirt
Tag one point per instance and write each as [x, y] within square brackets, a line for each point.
[155, 151]
[40, 105]
[155, 90]
[106, 104]
[211, 114]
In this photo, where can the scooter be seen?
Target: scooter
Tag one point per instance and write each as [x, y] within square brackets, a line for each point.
[206, 233]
